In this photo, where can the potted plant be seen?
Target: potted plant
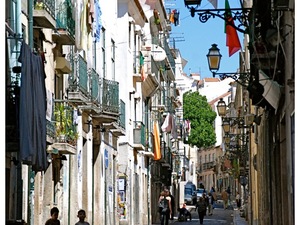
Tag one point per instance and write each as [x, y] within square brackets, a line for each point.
[63, 120]
[65, 130]
[72, 136]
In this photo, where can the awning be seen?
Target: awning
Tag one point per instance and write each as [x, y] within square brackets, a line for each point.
[184, 62]
[272, 91]
[150, 85]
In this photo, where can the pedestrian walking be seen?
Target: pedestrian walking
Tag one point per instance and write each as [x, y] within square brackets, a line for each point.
[165, 207]
[224, 196]
[210, 204]
[172, 203]
[229, 193]
[238, 200]
[81, 216]
[201, 206]
[54, 217]
[205, 196]
[214, 195]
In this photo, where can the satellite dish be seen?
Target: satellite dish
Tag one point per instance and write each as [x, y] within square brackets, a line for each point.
[158, 53]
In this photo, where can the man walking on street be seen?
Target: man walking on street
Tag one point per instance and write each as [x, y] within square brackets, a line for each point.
[224, 196]
[201, 206]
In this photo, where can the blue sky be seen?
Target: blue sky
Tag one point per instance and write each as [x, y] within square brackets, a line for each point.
[194, 38]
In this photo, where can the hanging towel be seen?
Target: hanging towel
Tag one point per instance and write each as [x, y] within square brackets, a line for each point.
[167, 125]
[156, 147]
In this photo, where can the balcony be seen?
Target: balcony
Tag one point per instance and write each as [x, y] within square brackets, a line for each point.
[108, 109]
[62, 65]
[118, 128]
[169, 61]
[208, 166]
[88, 92]
[150, 85]
[95, 86]
[166, 159]
[62, 132]
[139, 137]
[78, 82]
[50, 131]
[65, 25]
[44, 14]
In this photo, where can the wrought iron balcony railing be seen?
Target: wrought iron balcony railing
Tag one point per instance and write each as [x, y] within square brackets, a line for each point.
[48, 5]
[94, 77]
[110, 95]
[64, 18]
[87, 88]
[79, 78]
[209, 165]
[122, 117]
[139, 135]
[65, 129]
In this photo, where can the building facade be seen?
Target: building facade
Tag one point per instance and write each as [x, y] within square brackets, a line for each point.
[106, 79]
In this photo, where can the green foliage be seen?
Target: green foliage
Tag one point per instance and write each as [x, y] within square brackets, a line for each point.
[63, 119]
[197, 110]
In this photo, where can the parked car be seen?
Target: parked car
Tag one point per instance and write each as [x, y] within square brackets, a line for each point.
[189, 199]
[200, 192]
[190, 193]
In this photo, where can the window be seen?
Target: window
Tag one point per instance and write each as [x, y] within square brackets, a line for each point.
[113, 48]
[103, 53]
[129, 35]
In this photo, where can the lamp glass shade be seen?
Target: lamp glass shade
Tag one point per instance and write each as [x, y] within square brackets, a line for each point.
[214, 58]
[192, 2]
[227, 139]
[221, 107]
[226, 126]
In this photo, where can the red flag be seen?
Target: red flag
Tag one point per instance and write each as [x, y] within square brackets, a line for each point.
[232, 39]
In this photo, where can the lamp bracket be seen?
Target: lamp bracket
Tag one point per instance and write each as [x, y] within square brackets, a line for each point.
[241, 15]
[234, 121]
[241, 78]
[241, 137]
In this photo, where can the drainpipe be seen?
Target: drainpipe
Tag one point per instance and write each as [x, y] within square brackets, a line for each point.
[69, 199]
[148, 170]
[93, 190]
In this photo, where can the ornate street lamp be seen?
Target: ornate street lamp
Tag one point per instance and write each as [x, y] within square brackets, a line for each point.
[221, 107]
[189, 3]
[214, 59]
[226, 125]
[227, 139]
[240, 15]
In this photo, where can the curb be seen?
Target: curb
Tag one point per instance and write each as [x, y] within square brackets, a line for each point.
[237, 219]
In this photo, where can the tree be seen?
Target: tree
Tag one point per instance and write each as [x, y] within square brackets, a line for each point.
[201, 116]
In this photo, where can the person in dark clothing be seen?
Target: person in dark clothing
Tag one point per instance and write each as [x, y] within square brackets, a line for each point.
[172, 203]
[201, 206]
[185, 212]
[54, 217]
[206, 199]
[165, 210]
